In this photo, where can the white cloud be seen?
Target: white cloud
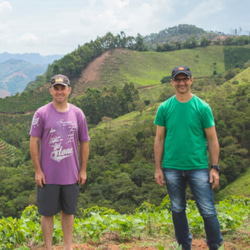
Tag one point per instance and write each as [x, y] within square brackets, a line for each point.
[5, 11]
[5, 6]
[116, 3]
[28, 39]
[204, 12]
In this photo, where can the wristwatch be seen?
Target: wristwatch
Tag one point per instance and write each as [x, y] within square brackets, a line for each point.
[216, 167]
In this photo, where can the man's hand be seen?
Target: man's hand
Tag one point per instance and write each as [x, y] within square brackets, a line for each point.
[82, 177]
[159, 177]
[40, 178]
[214, 178]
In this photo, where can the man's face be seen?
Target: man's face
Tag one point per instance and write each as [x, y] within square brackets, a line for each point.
[182, 83]
[60, 93]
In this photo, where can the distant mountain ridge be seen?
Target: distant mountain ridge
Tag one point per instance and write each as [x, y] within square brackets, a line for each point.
[16, 74]
[17, 70]
[34, 58]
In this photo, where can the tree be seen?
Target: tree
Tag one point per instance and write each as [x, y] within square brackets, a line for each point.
[204, 42]
[190, 43]
[166, 79]
[139, 44]
[231, 73]
[140, 106]
[121, 40]
[109, 41]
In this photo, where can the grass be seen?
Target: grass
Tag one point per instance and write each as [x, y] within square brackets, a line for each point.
[129, 119]
[148, 68]
[242, 77]
[239, 187]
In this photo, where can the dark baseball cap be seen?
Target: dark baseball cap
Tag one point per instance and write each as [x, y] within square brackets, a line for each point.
[181, 69]
[59, 79]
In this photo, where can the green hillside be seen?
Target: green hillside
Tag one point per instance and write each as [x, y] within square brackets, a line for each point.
[7, 150]
[242, 77]
[147, 68]
[141, 68]
[9, 154]
[240, 187]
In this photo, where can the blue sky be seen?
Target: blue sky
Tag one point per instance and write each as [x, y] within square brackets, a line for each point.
[59, 26]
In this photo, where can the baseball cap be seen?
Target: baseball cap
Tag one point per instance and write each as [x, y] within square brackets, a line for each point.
[59, 79]
[181, 69]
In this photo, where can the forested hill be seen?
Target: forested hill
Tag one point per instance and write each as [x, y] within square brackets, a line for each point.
[118, 82]
[180, 34]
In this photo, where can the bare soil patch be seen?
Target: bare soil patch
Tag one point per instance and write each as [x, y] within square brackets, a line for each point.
[197, 244]
[90, 74]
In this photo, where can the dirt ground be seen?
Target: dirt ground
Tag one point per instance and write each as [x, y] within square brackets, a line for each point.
[197, 244]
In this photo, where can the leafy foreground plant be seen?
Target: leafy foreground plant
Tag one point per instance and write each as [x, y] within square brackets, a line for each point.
[94, 223]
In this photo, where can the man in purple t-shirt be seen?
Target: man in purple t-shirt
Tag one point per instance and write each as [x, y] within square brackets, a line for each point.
[56, 131]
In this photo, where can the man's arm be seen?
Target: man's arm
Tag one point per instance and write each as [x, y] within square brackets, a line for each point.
[214, 150]
[158, 153]
[35, 156]
[84, 156]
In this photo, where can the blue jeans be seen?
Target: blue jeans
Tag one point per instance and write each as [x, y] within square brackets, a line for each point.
[198, 180]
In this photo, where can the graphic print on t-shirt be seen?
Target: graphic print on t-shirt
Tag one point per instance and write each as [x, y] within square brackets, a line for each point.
[61, 139]
[35, 122]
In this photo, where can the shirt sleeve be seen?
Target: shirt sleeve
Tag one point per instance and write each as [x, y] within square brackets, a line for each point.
[83, 128]
[36, 125]
[208, 119]
[160, 118]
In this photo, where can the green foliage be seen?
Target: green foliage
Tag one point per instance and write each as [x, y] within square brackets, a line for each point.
[238, 187]
[109, 103]
[179, 248]
[236, 40]
[236, 204]
[93, 223]
[25, 102]
[166, 79]
[17, 187]
[205, 42]
[179, 33]
[73, 64]
[86, 213]
[10, 233]
[190, 43]
[236, 57]
[9, 152]
[231, 73]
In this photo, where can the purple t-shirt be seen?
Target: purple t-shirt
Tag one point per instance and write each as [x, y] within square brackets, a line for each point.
[59, 135]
